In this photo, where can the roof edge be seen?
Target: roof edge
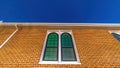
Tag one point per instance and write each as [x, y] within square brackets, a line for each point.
[60, 24]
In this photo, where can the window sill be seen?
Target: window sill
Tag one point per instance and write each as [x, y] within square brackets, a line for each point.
[51, 62]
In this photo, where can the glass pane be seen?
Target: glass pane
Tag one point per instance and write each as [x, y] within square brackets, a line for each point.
[66, 40]
[52, 40]
[68, 54]
[52, 44]
[116, 36]
[47, 58]
[52, 35]
[51, 51]
[50, 54]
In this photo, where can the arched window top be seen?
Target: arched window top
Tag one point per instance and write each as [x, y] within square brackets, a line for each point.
[66, 39]
[66, 34]
[53, 35]
[117, 36]
[52, 40]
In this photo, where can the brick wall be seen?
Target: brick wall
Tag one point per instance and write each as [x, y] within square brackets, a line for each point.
[96, 48]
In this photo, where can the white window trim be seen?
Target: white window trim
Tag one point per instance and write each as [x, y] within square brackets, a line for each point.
[114, 31]
[59, 32]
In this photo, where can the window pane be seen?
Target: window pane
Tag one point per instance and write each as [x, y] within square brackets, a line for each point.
[67, 47]
[50, 54]
[47, 58]
[68, 54]
[51, 50]
[66, 40]
[52, 40]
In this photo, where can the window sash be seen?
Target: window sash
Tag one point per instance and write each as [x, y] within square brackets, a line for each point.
[52, 53]
[67, 48]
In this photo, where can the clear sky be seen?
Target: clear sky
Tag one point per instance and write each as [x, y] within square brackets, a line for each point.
[78, 11]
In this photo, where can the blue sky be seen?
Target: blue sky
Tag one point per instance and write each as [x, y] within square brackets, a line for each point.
[72, 11]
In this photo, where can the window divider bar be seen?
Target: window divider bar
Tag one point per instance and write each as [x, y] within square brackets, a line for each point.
[59, 47]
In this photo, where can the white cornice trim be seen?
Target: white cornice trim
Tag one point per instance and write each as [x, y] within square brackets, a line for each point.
[61, 24]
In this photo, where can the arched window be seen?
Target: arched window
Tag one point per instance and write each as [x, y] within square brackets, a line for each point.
[51, 49]
[59, 48]
[117, 36]
[67, 48]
